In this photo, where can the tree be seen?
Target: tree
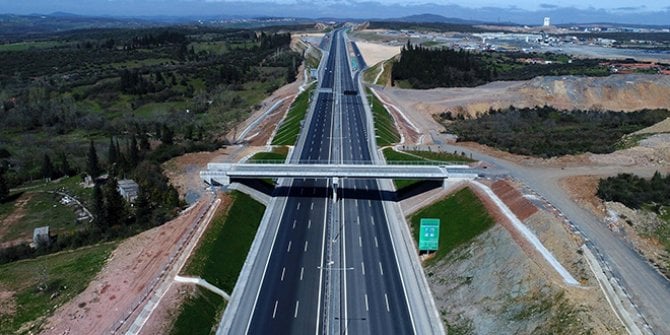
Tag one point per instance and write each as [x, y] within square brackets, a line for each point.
[167, 135]
[142, 207]
[47, 167]
[144, 142]
[64, 164]
[99, 206]
[112, 153]
[172, 197]
[92, 165]
[4, 188]
[133, 153]
[115, 207]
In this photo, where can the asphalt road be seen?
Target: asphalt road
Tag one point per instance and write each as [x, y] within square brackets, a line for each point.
[332, 266]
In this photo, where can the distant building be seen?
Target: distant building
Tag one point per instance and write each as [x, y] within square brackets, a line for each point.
[547, 21]
[41, 237]
[128, 189]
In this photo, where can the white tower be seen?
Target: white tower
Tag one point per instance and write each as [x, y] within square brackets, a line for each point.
[546, 21]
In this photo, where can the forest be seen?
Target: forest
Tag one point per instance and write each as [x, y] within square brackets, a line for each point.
[423, 67]
[90, 85]
[114, 104]
[635, 192]
[548, 132]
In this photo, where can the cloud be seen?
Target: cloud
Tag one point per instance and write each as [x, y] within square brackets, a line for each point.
[547, 6]
[629, 9]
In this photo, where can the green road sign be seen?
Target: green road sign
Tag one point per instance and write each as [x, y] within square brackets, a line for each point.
[429, 234]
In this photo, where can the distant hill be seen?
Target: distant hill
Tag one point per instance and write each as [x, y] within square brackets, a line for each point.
[433, 18]
[16, 27]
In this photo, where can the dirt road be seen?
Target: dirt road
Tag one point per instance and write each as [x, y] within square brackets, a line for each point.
[648, 289]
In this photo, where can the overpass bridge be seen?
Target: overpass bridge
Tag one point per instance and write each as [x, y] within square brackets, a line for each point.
[222, 173]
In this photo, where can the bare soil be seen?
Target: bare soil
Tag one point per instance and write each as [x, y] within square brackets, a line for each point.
[582, 190]
[166, 312]
[7, 302]
[494, 286]
[13, 218]
[374, 53]
[616, 92]
[519, 205]
[115, 291]
[639, 227]
[661, 127]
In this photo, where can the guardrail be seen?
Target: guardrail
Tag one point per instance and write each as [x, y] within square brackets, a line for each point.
[357, 162]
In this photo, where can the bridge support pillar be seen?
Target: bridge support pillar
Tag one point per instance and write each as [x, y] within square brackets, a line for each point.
[336, 180]
[225, 180]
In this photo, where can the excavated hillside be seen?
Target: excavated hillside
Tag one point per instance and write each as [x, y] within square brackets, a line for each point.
[616, 92]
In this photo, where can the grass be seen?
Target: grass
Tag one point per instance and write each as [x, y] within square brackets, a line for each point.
[42, 208]
[222, 251]
[278, 154]
[385, 130]
[199, 313]
[424, 157]
[42, 284]
[288, 131]
[462, 218]
[663, 230]
[441, 156]
[154, 110]
[22, 46]
[370, 73]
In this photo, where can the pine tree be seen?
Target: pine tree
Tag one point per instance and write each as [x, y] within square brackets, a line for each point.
[172, 197]
[144, 142]
[115, 208]
[167, 136]
[99, 207]
[112, 154]
[65, 165]
[4, 188]
[92, 165]
[142, 207]
[47, 167]
[133, 153]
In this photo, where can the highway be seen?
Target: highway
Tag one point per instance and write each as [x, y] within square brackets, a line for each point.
[332, 266]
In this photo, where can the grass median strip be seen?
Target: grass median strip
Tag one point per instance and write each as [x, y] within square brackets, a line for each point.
[38, 286]
[462, 218]
[288, 131]
[218, 260]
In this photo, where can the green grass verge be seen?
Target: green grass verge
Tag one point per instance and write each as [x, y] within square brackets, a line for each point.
[288, 131]
[385, 130]
[441, 156]
[199, 313]
[222, 251]
[427, 157]
[42, 284]
[277, 154]
[462, 218]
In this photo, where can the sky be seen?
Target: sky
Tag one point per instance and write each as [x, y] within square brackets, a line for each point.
[518, 11]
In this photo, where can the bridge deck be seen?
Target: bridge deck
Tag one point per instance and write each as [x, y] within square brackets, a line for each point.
[222, 172]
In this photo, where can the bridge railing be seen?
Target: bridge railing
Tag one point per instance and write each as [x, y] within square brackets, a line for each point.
[358, 162]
